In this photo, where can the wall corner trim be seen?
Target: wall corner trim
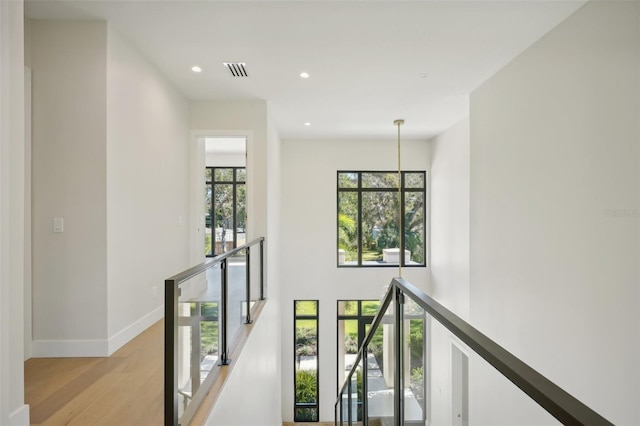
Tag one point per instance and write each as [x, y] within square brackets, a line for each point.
[20, 417]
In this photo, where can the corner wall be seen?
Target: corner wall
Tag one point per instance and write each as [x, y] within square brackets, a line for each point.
[147, 189]
[555, 190]
[69, 60]
[110, 156]
[13, 410]
[256, 380]
[449, 267]
[449, 184]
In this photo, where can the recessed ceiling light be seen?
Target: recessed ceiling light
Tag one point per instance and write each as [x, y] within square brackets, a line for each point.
[307, 124]
[423, 75]
[304, 75]
[196, 69]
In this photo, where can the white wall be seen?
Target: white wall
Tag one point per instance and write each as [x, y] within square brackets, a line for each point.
[555, 180]
[147, 189]
[69, 181]
[111, 157]
[449, 201]
[449, 266]
[308, 245]
[274, 215]
[251, 395]
[255, 380]
[13, 411]
[245, 118]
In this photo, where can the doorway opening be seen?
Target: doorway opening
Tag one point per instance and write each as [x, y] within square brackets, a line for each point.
[225, 194]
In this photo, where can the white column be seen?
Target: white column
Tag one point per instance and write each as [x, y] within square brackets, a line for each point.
[13, 411]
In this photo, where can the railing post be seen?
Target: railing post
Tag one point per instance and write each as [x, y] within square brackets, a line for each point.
[171, 293]
[222, 314]
[248, 268]
[399, 364]
[261, 269]
[365, 388]
[349, 403]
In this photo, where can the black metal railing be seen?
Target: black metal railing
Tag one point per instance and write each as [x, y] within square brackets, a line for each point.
[205, 309]
[394, 379]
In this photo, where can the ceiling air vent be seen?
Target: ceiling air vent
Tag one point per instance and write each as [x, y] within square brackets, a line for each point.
[237, 69]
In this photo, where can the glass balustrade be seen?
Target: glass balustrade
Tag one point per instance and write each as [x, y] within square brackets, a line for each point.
[420, 364]
[206, 308]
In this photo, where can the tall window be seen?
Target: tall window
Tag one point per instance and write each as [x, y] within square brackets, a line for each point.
[368, 229]
[306, 360]
[354, 320]
[225, 209]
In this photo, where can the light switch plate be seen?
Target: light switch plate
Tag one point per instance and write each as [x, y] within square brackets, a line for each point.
[58, 224]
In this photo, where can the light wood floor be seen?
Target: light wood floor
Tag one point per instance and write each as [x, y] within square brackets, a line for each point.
[123, 389]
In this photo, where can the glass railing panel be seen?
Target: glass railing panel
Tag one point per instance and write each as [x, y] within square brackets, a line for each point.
[254, 274]
[414, 364]
[236, 285]
[198, 335]
[206, 309]
[434, 368]
[353, 405]
[380, 371]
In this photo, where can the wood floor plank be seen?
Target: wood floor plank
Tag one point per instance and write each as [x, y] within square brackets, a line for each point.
[124, 389]
[45, 376]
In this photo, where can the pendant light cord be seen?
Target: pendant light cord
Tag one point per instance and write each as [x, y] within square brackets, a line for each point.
[399, 123]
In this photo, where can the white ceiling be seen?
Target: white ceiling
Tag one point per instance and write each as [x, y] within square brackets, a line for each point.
[364, 57]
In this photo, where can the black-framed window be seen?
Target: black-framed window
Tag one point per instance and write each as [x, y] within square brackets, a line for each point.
[354, 320]
[225, 209]
[367, 218]
[306, 373]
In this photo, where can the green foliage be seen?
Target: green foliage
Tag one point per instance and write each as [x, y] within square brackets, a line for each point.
[351, 344]
[306, 307]
[208, 338]
[207, 244]
[347, 236]
[306, 386]
[378, 223]
[348, 225]
[413, 243]
[376, 347]
[306, 341]
[416, 341]
[370, 307]
[306, 414]
[417, 383]
[306, 392]
[208, 328]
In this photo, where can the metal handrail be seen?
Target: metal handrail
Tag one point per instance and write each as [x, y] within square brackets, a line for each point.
[172, 294]
[195, 270]
[559, 403]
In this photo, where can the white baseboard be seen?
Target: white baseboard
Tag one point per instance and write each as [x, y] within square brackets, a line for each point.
[95, 348]
[20, 417]
[127, 334]
[69, 348]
